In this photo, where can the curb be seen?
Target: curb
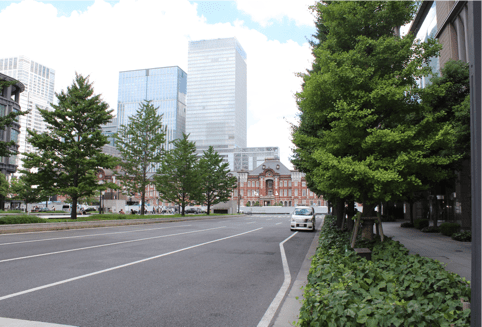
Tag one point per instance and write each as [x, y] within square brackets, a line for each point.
[42, 227]
[290, 309]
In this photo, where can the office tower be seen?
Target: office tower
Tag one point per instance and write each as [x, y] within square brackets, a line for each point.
[10, 102]
[165, 87]
[217, 94]
[39, 92]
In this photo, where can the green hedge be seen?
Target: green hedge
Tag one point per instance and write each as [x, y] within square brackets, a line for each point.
[394, 289]
[448, 229]
[420, 223]
[21, 220]
[465, 236]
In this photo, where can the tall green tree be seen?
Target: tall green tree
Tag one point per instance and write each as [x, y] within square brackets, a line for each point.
[7, 149]
[24, 189]
[4, 190]
[69, 153]
[179, 178]
[140, 144]
[217, 186]
[363, 134]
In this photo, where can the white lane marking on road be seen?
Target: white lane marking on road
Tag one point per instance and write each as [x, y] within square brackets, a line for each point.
[251, 222]
[122, 266]
[90, 235]
[269, 314]
[278, 223]
[108, 244]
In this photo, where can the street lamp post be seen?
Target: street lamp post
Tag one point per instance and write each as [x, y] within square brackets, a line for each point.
[474, 36]
[100, 197]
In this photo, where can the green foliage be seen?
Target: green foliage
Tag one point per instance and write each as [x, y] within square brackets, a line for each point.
[248, 204]
[70, 151]
[21, 220]
[448, 229]
[4, 186]
[217, 184]
[449, 96]
[420, 223]
[362, 132]
[24, 189]
[179, 179]
[394, 289]
[141, 146]
[406, 225]
[465, 236]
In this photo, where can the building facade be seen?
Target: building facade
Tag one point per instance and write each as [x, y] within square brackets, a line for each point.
[272, 183]
[165, 87]
[10, 102]
[448, 22]
[39, 82]
[217, 94]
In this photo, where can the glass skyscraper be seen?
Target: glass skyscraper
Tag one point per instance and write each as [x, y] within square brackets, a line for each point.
[217, 94]
[165, 87]
[39, 83]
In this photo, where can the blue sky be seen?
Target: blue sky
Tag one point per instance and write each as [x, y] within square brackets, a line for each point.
[101, 38]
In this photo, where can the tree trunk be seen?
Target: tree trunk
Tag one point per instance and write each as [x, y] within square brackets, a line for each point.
[411, 211]
[350, 212]
[73, 212]
[208, 211]
[340, 212]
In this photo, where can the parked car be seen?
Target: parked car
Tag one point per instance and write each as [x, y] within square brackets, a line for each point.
[303, 218]
[193, 210]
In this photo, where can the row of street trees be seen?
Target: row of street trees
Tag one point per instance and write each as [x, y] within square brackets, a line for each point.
[69, 154]
[367, 132]
[179, 175]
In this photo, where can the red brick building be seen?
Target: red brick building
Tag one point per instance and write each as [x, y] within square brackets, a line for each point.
[271, 184]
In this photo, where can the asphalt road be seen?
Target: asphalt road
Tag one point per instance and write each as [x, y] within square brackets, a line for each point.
[221, 272]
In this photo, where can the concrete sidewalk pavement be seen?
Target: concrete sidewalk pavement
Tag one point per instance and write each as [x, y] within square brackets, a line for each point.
[457, 255]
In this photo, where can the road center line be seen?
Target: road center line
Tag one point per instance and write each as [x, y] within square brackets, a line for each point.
[90, 235]
[122, 266]
[269, 314]
[108, 244]
[278, 223]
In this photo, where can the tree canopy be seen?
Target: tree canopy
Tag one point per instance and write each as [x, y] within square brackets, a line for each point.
[178, 180]
[217, 185]
[363, 133]
[69, 153]
[140, 144]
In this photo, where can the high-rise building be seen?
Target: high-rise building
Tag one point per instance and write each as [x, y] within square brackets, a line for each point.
[39, 83]
[9, 102]
[217, 94]
[165, 87]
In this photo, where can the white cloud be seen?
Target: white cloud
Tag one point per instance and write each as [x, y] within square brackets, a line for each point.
[264, 12]
[136, 34]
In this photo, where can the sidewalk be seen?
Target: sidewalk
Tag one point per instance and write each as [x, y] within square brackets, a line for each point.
[457, 255]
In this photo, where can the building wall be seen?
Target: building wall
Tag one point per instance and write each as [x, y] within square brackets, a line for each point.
[217, 94]
[165, 87]
[39, 82]
[10, 102]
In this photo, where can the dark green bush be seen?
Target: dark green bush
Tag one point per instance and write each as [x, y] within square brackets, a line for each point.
[21, 220]
[448, 229]
[420, 223]
[394, 289]
[465, 236]
[406, 225]
[388, 218]
[431, 229]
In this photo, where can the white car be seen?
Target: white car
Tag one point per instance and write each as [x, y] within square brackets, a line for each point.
[303, 218]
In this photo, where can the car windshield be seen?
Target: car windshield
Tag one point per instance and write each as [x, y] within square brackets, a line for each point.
[302, 212]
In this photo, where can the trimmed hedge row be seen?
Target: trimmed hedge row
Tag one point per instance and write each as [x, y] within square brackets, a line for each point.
[394, 289]
[21, 220]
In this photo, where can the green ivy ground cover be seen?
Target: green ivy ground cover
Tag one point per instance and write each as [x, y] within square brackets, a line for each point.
[394, 289]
